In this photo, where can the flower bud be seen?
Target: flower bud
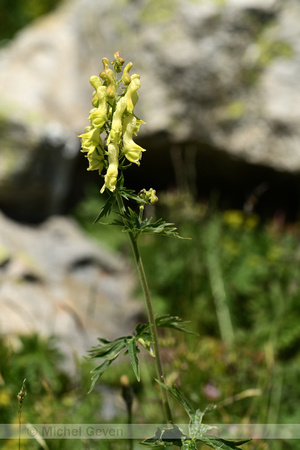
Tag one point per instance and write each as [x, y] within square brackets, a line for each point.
[106, 69]
[119, 61]
[148, 196]
[107, 76]
[126, 78]
[152, 196]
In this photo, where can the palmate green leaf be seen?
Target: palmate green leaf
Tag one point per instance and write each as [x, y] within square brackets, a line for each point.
[179, 397]
[197, 428]
[159, 227]
[163, 321]
[219, 443]
[129, 194]
[166, 437]
[108, 349]
[98, 371]
[107, 207]
[142, 330]
[133, 350]
[173, 322]
[133, 224]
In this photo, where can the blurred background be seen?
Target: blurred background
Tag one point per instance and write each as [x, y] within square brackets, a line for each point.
[220, 97]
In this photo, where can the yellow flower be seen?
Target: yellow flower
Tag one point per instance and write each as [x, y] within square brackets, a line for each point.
[98, 116]
[131, 94]
[126, 78]
[95, 82]
[112, 171]
[116, 126]
[90, 139]
[107, 76]
[90, 144]
[131, 150]
[96, 160]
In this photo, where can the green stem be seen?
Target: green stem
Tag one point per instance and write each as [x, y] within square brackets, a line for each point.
[144, 284]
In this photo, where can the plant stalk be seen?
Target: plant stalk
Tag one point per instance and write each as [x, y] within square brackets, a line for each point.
[144, 284]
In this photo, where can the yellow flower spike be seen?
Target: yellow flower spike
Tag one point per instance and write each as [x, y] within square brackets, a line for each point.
[112, 171]
[116, 126]
[126, 78]
[131, 150]
[98, 116]
[115, 115]
[131, 94]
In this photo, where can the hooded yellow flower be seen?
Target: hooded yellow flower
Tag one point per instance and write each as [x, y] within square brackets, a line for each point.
[110, 179]
[96, 160]
[90, 144]
[131, 150]
[95, 82]
[116, 126]
[90, 139]
[126, 78]
[131, 94]
[98, 116]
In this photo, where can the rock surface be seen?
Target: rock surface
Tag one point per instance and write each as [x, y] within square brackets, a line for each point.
[56, 281]
[222, 75]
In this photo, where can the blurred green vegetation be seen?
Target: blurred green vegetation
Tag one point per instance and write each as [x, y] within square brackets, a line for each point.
[17, 14]
[237, 281]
